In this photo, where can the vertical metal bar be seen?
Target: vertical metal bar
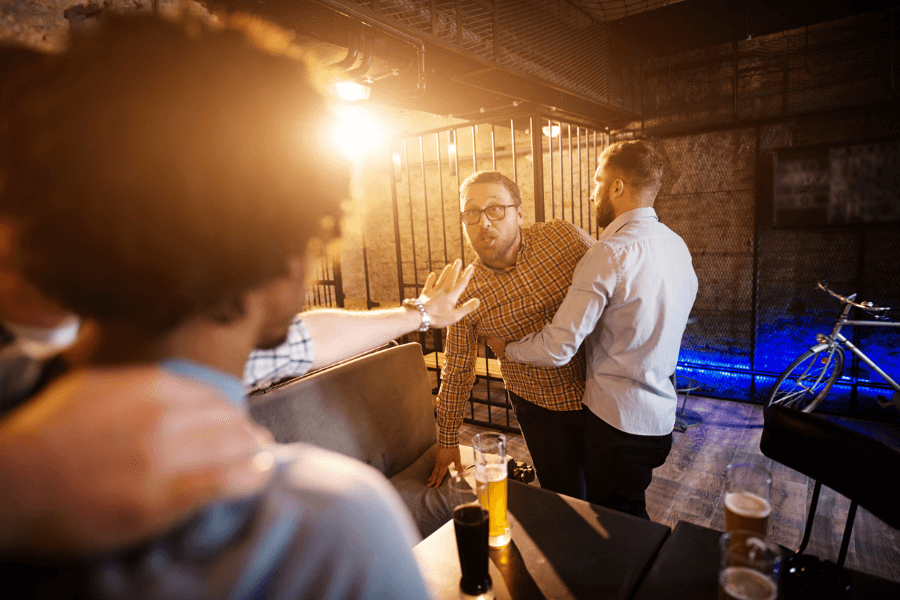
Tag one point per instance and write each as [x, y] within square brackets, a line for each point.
[412, 227]
[440, 166]
[571, 173]
[437, 337]
[754, 292]
[396, 211]
[493, 149]
[329, 274]
[512, 135]
[425, 197]
[580, 183]
[594, 166]
[550, 160]
[474, 148]
[337, 276]
[369, 303]
[537, 160]
[562, 183]
[462, 237]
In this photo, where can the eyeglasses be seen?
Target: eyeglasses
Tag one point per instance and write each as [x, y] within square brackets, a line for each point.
[495, 212]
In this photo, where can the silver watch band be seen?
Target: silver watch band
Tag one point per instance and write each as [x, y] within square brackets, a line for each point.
[426, 319]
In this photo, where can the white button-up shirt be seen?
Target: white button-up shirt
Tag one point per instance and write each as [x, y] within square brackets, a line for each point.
[629, 302]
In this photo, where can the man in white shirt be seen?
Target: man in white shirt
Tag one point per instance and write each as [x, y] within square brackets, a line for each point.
[629, 302]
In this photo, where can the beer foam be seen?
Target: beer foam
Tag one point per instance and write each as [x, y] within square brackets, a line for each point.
[742, 583]
[747, 505]
[491, 473]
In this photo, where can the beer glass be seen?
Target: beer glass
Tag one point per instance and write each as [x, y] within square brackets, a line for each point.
[749, 567]
[490, 473]
[470, 522]
[747, 503]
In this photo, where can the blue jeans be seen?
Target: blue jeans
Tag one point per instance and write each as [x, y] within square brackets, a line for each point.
[555, 440]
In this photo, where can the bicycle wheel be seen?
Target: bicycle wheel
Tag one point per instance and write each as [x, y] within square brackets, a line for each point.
[805, 383]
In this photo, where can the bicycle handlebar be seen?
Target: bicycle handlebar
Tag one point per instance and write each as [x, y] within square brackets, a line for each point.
[868, 306]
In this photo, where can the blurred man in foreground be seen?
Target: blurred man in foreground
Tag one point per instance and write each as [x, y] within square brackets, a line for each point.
[114, 455]
[188, 172]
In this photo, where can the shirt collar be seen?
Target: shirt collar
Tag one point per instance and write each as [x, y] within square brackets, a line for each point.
[620, 221]
[228, 385]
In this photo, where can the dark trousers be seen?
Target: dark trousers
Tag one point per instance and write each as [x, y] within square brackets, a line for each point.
[618, 466]
[555, 440]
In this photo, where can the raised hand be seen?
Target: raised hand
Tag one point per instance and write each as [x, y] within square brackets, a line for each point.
[440, 295]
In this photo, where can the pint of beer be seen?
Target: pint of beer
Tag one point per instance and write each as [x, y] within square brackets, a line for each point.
[747, 504]
[490, 474]
[747, 511]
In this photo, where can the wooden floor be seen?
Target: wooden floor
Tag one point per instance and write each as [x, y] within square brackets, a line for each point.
[690, 487]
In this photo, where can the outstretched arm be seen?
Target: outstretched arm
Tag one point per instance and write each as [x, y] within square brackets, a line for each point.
[339, 334]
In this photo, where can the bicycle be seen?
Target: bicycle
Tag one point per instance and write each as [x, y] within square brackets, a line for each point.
[806, 382]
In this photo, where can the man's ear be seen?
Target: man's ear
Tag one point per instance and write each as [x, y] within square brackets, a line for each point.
[618, 188]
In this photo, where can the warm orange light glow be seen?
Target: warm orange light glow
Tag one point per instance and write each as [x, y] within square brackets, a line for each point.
[551, 130]
[359, 131]
[352, 91]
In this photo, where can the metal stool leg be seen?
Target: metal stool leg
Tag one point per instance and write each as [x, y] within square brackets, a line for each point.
[848, 529]
[810, 518]
[685, 418]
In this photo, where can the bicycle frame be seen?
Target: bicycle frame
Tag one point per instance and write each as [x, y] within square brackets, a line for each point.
[837, 337]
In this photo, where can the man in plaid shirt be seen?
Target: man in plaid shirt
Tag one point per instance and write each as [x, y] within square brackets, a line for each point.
[521, 276]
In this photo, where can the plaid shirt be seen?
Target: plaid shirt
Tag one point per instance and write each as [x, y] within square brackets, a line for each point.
[291, 359]
[515, 302]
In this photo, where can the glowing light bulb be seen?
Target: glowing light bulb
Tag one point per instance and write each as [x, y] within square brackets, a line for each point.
[358, 132]
[351, 91]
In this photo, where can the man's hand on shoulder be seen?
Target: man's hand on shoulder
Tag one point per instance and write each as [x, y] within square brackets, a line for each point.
[107, 458]
[498, 346]
[440, 295]
[442, 461]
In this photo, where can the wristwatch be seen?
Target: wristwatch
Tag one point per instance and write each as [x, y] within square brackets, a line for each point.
[417, 304]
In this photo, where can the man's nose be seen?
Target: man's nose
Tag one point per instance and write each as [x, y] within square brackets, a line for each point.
[483, 221]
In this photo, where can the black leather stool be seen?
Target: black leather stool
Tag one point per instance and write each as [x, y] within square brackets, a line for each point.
[857, 459]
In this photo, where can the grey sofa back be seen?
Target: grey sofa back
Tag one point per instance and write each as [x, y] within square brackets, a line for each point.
[376, 408]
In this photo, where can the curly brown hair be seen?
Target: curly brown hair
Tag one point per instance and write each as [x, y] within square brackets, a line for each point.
[161, 170]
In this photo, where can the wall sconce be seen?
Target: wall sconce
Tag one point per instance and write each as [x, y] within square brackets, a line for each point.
[351, 91]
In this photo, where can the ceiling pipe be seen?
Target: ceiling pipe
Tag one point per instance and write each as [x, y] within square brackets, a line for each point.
[387, 28]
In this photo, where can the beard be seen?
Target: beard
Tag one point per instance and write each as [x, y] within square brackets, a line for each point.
[606, 214]
[492, 253]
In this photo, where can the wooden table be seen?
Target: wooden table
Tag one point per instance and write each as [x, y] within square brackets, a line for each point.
[561, 548]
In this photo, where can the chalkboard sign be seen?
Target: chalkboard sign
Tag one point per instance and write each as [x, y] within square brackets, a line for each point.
[838, 185]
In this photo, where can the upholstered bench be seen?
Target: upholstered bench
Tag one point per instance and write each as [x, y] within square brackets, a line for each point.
[377, 408]
[858, 459]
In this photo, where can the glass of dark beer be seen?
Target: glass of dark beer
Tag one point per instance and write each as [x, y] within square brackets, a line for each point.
[471, 524]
